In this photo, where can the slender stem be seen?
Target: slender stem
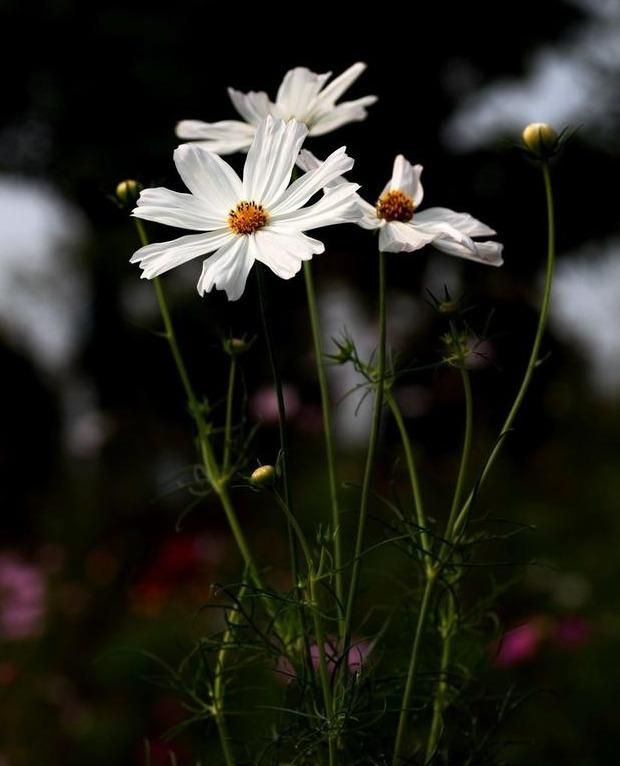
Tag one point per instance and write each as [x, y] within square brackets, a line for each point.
[229, 414]
[413, 478]
[467, 441]
[277, 380]
[318, 627]
[370, 456]
[439, 702]
[411, 673]
[206, 448]
[329, 445]
[534, 356]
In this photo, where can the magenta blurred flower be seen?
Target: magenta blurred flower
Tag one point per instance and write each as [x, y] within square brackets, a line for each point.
[571, 632]
[519, 645]
[22, 598]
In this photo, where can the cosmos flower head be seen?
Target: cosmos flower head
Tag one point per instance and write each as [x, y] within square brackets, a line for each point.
[260, 217]
[403, 229]
[304, 95]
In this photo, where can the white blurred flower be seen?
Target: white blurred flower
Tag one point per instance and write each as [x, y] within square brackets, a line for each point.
[260, 218]
[402, 228]
[303, 96]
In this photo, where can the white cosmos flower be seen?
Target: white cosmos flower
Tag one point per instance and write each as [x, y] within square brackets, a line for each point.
[303, 96]
[260, 218]
[402, 228]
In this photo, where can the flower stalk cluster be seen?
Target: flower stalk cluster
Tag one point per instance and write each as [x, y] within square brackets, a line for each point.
[260, 220]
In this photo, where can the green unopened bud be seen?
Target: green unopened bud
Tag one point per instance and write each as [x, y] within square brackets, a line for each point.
[128, 191]
[448, 307]
[541, 140]
[235, 346]
[263, 476]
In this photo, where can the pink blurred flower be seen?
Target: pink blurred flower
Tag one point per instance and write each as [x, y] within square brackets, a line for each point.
[264, 403]
[519, 645]
[357, 657]
[22, 598]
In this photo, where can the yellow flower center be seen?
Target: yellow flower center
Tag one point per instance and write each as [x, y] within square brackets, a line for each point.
[247, 218]
[395, 205]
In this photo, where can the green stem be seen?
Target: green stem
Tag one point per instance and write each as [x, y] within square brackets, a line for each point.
[229, 414]
[329, 446]
[413, 478]
[467, 441]
[370, 457]
[206, 449]
[439, 702]
[277, 380]
[411, 673]
[318, 628]
[534, 356]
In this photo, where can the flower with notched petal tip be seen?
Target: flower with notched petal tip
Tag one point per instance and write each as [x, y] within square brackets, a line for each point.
[260, 218]
[402, 228]
[303, 96]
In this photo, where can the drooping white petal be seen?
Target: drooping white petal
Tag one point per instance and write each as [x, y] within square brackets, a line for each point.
[175, 209]
[209, 177]
[225, 137]
[324, 174]
[369, 218]
[282, 250]
[406, 178]
[329, 119]
[461, 221]
[443, 230]
[298, 93]
[160, 257]
[489, 253]
[396, 237]
[337, 205]
[228, 268]
[271, 159]
[253, 106]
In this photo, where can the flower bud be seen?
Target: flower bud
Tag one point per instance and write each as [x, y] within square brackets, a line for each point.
[263, 476]
[448, 307]
[541, 140]
[128, 191]
[236, 346]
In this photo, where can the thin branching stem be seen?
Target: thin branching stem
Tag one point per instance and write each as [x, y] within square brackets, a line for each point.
[370, 457]
[229, 414]
[329, 445]
[534, 360]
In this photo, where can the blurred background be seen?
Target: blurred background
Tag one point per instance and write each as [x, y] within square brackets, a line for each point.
[99, 563]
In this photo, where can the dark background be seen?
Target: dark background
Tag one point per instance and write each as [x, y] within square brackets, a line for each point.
[95, 441]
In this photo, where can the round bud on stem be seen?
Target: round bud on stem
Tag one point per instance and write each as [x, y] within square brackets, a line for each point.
[236, 346]
[541, 140]
[128, 191]
[263, 476]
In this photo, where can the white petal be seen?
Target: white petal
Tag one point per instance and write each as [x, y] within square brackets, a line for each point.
[298, 93]
[271, 159]
[406, 178]
[174, 209]
[337, 87]
[228, 269]
[444, 230]
[461, 221]
[489, 253]
[209, 177]
[300, 191]
[283, 251]
[160, 257]
[339, 204]
[369, 218]
[253, 106]
[333, 117]
[396, 237]
[224, 137]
